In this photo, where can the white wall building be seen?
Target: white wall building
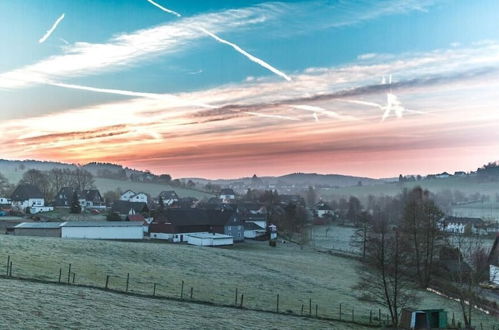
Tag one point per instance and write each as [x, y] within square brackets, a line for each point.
[209, 239]
[127, 195]
[103, 230]
[139, 198]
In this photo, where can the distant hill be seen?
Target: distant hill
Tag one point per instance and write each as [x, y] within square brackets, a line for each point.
[297, 179]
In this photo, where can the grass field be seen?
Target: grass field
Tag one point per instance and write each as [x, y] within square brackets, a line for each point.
[69, 307]
[465, 185]
[255, 269]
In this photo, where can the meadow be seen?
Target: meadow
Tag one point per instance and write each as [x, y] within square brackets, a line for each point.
[71, 307]
[253, 268]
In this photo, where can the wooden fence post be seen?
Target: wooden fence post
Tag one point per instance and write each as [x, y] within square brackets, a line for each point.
[235, 298]
[277, 305]
[154, 290]
[107, 281]
[127, 281]
[309, 306]
[301, 309]
[69, 272]
[192, 290]
[242, 299]
[60, 274]
[182, 290]
[340, 312]
[74, 275]
[10, 269]
[8, 264]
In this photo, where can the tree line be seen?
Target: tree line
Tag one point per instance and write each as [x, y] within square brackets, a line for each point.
[404, 250]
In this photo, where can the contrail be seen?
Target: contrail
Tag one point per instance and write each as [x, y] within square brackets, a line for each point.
[236, 47]
[169, 11]
[49, 32]
[316, 110]
[248, 55]
[130, 93]
[270, 116]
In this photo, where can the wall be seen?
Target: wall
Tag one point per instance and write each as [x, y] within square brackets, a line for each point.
[135, 232]
[209, 241]
[42, 232]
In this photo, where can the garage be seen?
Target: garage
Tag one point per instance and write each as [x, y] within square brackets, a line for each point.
[103, 230]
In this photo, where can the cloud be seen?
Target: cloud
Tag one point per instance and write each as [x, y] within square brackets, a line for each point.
[124, 50]
[52, 29]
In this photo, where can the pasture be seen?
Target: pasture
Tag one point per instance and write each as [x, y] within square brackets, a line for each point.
[255, 269]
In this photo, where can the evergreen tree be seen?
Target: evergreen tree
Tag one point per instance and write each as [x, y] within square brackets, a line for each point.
[75, 207]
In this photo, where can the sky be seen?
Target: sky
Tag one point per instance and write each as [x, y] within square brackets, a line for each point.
[225, 89]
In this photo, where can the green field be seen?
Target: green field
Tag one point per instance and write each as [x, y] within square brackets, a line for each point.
[255, 269]
[150, 188]
[33, 306]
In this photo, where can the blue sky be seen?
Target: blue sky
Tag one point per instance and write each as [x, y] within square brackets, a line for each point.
[297, 38]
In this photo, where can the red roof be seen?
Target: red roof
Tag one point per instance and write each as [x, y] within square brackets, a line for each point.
[136, 217]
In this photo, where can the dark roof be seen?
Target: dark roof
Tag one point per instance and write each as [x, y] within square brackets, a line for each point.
[26, 191]
[197, 217]
[170, 194]
[64, 196]
[227, 191]
[252, 226]
[463, 220]
[91, 195]
[124, 207]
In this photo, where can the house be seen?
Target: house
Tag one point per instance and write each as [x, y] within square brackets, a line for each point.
[125, 230]
[127, 195]
[126, 208]
[227, 195]
[259, 220]
[462, 225]
[64, 197]
[252, 230]
[169, 197]
[5, 202]
[209, 239]
[29, 197]
[323, 210]
[42, 229]
[139, 198]
[423, 319]
[176, 223]
[493, 261]
[93, 198]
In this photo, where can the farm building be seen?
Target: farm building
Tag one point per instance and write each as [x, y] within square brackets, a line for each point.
[43, 229]
[252, 230]
[103, 229]
[461, 225]
[227, 195]
[209, 239]
[87, 198]
[323, 210]
[175, 224]
[5, 202]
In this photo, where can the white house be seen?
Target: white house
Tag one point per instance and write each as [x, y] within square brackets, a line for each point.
[227, 195]
[29, 196]
[458, 225]
[209, 239]
[139, 198]
[252, 230]
[169, 197]
[127, 195]
[5, 201]
[102, 229]
[322, 209]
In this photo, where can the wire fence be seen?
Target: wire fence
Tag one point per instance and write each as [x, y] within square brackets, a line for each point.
[238, 297]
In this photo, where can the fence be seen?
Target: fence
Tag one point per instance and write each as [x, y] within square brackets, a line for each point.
[183, 291]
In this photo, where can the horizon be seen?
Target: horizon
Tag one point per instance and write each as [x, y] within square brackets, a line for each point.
[218, 90]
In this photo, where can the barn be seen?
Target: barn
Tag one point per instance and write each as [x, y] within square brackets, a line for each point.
[209, 239]
[103, 229]
[43, 229]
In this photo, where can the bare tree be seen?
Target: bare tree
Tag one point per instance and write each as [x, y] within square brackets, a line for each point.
[82, 179]
[383, 277]
[465, 271]
[5, 187]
